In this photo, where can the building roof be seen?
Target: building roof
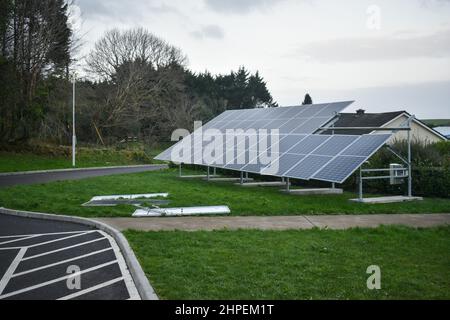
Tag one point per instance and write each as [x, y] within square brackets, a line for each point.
[362, 120]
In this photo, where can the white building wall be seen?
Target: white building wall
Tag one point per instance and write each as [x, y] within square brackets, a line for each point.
[419, 133]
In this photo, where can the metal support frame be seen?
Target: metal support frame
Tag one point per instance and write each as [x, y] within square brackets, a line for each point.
[242, 178]
[179, 170]
[288, 185]
[407, 161]
[207, 174]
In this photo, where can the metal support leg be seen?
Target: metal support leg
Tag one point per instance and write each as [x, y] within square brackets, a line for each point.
[242, 178]
[333, 185]
[282, 179]
[246, 176]
[179, 170]
[409, 166]
[360, 185]
[207, 175]
[214, 172]
[288, 185]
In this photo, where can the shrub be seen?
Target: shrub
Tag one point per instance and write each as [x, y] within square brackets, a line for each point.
[431, 170]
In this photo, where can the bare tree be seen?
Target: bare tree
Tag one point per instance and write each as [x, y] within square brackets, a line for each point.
[143, 75]
[117, 47]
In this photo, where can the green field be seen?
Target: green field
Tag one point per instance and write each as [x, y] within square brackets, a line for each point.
[66, 197]
[437, 122]
[307, 264]
[14, 162]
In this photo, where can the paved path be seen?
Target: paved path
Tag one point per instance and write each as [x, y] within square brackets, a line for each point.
[277, 222]
[10, 179]
[38, 258]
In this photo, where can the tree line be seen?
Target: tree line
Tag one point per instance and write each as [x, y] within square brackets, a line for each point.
[135, 83]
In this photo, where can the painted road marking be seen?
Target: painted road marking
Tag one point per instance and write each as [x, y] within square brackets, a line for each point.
[132, 291]
[112, 245]
[43, 284]
[15, 240]
[12, 267]
[91, 289]
[62, 249]
[60, 262]
[40, 234]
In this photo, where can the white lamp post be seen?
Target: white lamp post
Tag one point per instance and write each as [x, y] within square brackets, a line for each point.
[74, 137]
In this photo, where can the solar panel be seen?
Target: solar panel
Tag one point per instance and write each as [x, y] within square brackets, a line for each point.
[307, 167]
[308, 144]
[365, 144]
[286, 162]
[298, 154]
[335, 145]
[339, 169]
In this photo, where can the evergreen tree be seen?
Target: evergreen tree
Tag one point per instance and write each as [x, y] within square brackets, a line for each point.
[308, 100]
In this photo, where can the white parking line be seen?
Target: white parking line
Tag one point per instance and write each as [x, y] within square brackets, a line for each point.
[15, 240]
[12, 267]
[43, 284]
[47, 242]
[10, 273]
[60, 239]
[60, 262]
[42, 234]
[132, 291]
[62, 249]
[94, 288]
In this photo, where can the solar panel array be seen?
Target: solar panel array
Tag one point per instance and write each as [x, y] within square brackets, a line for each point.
[293, 152]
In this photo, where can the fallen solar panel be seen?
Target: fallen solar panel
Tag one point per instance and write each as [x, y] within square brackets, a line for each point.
[183, 211]
[133, 202]
[129, 199]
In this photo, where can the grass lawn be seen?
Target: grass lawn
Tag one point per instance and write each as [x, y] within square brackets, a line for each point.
[66, 197]
[14, 162]
[307, 264]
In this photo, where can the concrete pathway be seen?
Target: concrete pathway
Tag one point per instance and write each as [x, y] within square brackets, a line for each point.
[15, 178]
[278, 222]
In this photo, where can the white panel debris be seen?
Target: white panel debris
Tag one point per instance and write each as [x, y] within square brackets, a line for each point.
[185, 211]
[131, 196]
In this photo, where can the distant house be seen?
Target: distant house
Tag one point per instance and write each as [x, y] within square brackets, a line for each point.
[420, 131]
[445, 131]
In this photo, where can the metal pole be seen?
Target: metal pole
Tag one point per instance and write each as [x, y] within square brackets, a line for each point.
[74, 137]
[179, 170]
[333, 185]
[360, 185]
[207, 175]
[246, 176]
[214, 173]
[409, 164]
[288, 185]
[282, 179]
[242, 177]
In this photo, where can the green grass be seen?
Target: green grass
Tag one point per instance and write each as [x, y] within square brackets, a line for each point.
[14, 162]
[308, 264]
[66, 197]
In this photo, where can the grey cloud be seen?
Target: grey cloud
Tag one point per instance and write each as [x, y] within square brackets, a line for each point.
[122, 10]
[394, 47]
[239, 6]
[209, 31]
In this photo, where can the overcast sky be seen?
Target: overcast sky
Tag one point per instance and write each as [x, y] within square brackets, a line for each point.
[387, 55]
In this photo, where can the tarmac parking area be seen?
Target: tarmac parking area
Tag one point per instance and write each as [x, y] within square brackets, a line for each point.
[52, 260]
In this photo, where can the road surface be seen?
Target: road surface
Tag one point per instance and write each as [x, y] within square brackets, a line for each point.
[50, 260]
[7, 180]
